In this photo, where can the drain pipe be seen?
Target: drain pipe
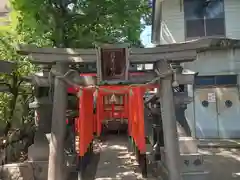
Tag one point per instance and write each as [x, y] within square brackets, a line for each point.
[157, 21]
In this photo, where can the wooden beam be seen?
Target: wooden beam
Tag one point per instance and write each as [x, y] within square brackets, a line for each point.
[7, 67]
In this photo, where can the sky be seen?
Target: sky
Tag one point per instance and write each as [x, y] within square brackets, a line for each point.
[146, 36]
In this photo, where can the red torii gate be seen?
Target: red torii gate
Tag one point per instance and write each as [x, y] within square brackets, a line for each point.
[87, 123]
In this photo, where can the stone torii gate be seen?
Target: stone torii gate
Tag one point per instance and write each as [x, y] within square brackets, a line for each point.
[161, 57]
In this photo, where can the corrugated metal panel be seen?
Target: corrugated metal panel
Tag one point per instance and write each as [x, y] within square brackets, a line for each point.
[228, 112]
[206, 119]
[220, 117]
[232, 14]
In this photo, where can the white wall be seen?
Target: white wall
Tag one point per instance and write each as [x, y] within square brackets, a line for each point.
[210, 62]
[219, 62]
[173, 20]
[232, 16]
[3, 5]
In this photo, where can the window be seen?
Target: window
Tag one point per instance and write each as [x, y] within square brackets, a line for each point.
[216, 80]
[204, 18]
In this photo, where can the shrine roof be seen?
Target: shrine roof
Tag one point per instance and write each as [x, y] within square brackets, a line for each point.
[202, 44]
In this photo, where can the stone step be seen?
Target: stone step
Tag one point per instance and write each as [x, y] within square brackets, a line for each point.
[189, 162]
[188, 145]
[200, 175]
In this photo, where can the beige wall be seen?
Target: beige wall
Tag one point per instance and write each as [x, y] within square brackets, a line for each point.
[3, 6]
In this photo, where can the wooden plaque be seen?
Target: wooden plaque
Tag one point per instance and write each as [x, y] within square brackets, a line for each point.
[113, 64]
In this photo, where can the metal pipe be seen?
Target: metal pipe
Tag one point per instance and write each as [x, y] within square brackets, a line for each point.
[56, 168]
[170, 129]
[157, 21]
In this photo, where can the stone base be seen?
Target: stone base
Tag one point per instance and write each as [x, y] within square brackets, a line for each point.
[189, 162]
[39, 151]
[192, 163]
[25, 171]
[202, 175]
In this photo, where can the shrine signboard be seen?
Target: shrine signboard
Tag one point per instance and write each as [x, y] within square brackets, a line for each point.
[112, 62]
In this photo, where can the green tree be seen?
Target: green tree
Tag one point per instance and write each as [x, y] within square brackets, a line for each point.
[14, 111]
[79, 23]
[62, 23]
[15, 81]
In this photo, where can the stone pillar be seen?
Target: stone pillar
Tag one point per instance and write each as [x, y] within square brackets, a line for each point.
[39, 151]
[170, 129]
[57, 169]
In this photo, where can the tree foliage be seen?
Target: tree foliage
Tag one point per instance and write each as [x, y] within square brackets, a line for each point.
[61, 23]
[67, 23]
[80, 23]
[15, 80]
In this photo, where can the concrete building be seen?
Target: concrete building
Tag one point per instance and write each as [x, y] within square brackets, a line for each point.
[3, 7]
[4, 10]
[215, 111]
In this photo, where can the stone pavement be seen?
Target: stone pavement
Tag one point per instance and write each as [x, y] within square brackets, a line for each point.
[116, 162]
[223, 163]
